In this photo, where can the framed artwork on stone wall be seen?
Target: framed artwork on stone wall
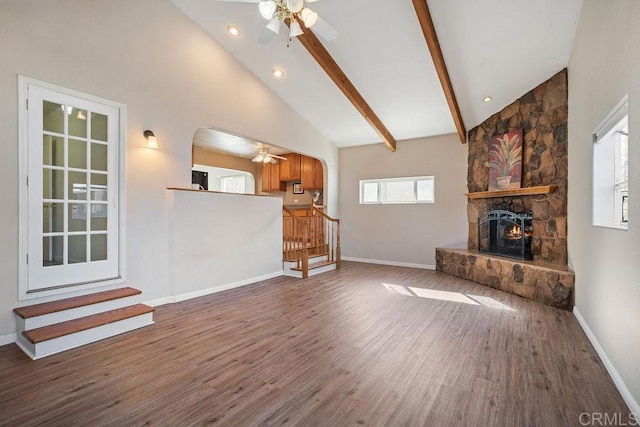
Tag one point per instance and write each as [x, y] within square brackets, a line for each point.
[505, 161]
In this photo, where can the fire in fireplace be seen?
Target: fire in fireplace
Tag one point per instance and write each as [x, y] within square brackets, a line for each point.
[505, 233]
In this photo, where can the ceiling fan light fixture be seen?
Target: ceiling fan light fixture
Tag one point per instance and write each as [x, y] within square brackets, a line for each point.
[258, 158]
[267, 8]
[294, 29]
[274, 25]
[309, 17]
[295, 6]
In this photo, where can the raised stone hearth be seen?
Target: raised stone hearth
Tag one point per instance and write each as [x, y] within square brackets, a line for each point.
[546, 283]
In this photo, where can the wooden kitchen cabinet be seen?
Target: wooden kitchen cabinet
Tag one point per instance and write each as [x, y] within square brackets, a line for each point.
[290, 168]
[311, 174]
[271, 178]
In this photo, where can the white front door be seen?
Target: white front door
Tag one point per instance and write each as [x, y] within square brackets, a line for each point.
[72, 191]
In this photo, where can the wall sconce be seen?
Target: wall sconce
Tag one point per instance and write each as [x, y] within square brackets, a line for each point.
[152, 141]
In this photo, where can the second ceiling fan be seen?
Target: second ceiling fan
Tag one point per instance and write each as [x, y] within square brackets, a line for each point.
[263, 156]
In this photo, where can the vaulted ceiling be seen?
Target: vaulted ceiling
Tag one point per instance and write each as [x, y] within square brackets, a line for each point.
[497, 48]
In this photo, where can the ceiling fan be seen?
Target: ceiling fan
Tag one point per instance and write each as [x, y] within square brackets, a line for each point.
[263, 156]
[295, 11]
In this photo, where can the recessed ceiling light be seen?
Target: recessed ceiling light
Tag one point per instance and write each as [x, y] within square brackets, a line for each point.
[233, 30]
[487, 98]
[278, 73]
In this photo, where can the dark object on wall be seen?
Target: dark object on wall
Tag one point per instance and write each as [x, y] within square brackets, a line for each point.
[200, 178]
[505, 233]
[297, 188]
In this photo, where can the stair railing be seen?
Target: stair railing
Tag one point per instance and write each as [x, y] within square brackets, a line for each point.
[318, 232]
[327, 232]
[295, 236]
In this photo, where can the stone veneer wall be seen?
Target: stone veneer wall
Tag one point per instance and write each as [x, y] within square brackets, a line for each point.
[542, 113]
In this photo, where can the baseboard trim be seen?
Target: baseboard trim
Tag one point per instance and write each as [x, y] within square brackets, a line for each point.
[615, 376]
[393, 263]
[213, 290]
[8, 339]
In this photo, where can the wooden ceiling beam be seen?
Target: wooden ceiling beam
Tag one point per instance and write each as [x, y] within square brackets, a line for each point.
[329, 65]
[429, 31]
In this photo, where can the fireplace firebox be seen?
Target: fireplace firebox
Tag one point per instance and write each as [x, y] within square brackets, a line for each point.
[506, 233]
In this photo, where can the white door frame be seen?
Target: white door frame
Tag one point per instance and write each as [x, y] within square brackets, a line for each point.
[23, 223]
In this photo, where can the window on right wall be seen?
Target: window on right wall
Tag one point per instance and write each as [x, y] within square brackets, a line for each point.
[611, 169]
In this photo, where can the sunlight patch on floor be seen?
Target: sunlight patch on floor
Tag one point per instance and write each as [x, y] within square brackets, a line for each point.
[443, 295]
[446, 296]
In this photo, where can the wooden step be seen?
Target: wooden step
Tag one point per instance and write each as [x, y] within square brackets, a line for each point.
[75, 302]
[315, 265]
[46, 333]
[312, 251]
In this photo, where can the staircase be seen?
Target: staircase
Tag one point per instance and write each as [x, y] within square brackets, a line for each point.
[53, 327]
[311, 243]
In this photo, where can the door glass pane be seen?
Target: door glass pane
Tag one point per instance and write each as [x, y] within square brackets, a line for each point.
[98, 127]
[77, 216]
[99, 187]
[98, 247]
[77, 249]
[77, 122]
[98, 157]
[52, 184]
[52, 217]
[52, 150]
[77, 154]
[52, 117]
[98, 217]
[77, 186]
[52, 249]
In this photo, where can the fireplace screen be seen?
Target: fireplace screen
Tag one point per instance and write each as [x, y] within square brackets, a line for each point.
[505, 233]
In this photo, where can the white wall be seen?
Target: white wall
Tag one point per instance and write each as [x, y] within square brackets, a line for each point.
[604, 66]
[173, 78]
[404, 234]
[219, 240]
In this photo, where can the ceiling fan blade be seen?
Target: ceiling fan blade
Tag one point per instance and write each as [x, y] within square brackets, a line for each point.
[278, 157]
[325, 30]
[267, 36]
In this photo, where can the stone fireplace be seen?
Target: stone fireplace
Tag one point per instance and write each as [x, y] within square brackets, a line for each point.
[542, 113]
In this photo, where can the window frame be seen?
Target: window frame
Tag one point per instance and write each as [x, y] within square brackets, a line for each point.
[608, 192]
[382, 190]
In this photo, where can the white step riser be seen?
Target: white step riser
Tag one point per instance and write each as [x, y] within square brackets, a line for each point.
[67, 342]
[291, 264]
[74, 313]
[292, 273]
[312, 272]
[323, 269]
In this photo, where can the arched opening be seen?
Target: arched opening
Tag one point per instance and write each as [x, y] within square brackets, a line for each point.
[228, 159]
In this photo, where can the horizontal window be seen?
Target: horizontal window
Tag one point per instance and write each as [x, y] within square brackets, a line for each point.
[417, 189]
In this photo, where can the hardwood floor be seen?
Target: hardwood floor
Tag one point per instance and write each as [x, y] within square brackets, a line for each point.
[364, 345]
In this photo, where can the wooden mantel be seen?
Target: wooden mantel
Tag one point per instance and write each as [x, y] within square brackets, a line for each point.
[528, 191]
